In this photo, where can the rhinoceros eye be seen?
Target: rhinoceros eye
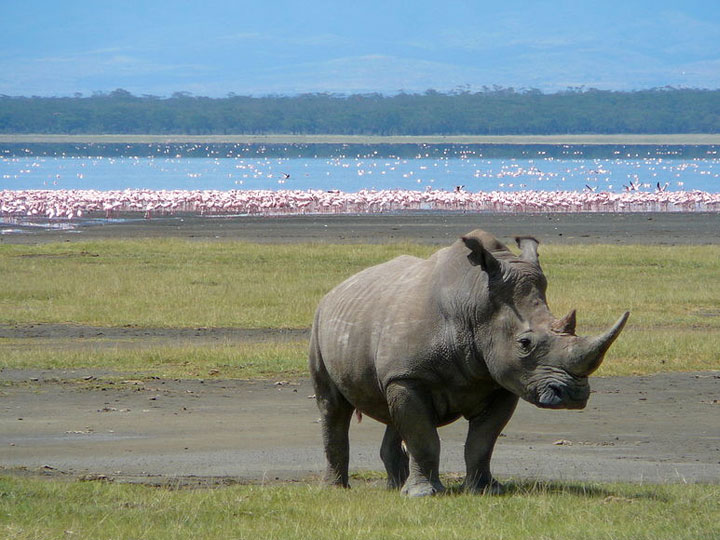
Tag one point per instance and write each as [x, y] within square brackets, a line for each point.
[525, 345]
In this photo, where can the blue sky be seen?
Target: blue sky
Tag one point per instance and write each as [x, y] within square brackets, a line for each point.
[260, 47]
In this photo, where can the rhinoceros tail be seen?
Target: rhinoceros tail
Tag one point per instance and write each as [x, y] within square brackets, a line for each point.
[358, 415]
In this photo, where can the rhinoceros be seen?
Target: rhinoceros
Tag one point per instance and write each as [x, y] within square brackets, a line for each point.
[417, 343]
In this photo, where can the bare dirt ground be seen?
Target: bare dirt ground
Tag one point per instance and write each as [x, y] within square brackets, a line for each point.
[664, 428]
[128, 427]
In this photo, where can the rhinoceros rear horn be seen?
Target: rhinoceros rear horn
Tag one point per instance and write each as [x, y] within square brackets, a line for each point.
[528, 245]
[566, 325]
[591, 355]
[479, 256]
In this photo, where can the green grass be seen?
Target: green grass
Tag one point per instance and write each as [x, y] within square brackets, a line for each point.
[39, 509]
[175, 283]
[672, 292]
[638, 352]
[675, 287]
[246, 360]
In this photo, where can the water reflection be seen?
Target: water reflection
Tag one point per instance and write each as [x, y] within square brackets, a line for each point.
[351, 168]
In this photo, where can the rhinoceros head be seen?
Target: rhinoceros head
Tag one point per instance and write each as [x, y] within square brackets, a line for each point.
[526, 349]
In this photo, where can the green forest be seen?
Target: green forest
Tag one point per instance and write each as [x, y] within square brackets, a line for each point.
[493, 111]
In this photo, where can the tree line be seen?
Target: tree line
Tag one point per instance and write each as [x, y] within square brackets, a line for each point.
[493, 111]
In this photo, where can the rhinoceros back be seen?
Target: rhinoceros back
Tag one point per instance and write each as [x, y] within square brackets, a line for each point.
[354, 317]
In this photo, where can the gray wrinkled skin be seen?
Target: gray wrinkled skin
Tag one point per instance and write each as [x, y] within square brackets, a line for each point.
[418, 343]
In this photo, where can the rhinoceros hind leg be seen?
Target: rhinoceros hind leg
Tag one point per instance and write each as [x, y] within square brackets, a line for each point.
[335, 415]
[395, 458]
[335, 425]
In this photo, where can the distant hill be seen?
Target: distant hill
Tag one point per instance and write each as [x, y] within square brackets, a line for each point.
[496, 111]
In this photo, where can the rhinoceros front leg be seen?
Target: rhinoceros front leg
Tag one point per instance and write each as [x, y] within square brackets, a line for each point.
[394, 457]
[483, 431]
[412, 416]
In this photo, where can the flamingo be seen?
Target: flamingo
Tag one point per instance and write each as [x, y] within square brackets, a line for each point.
[634, 186]
[69, 204]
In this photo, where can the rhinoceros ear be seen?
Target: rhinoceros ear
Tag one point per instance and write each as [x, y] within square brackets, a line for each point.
[528, 245]
[479, 256]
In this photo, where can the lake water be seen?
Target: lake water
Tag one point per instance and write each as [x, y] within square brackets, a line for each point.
[340, 171]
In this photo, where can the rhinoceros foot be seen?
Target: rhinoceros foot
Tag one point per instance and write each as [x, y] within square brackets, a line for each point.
[484, 488]
[422, 489]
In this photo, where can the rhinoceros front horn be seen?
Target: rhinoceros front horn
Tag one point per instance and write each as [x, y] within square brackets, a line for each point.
[590, 354]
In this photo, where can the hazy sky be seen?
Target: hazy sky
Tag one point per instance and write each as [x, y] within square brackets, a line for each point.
[259, 47]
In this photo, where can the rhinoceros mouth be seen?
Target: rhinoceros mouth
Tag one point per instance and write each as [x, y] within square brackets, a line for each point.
[551, 397]
[572, 393]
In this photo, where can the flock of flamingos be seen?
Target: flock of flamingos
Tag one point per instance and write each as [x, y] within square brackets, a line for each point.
[72, 204]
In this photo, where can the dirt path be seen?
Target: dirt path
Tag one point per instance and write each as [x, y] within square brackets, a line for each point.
[124, 335]
[663, 428]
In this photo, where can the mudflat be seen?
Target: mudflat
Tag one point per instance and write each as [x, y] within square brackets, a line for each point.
[131, 427]
[664, 228]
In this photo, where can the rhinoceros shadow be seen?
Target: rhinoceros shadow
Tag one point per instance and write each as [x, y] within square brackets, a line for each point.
[530, 487]
[542, 487]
